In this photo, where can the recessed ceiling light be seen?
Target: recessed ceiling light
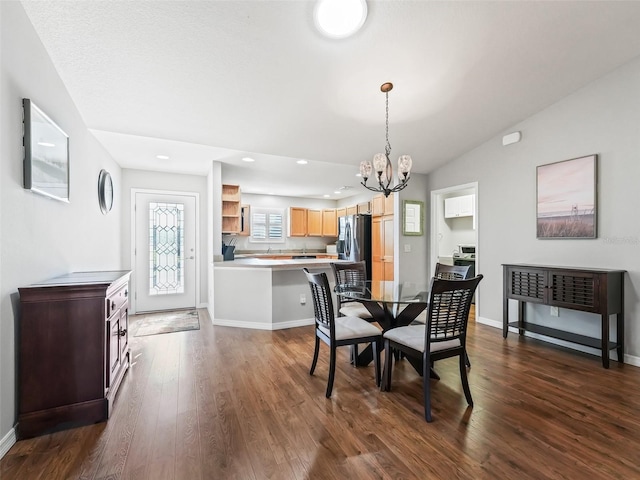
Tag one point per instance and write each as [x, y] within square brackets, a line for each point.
[338, 192]
[339, 18]
[326, 195]
[302, 162]
[162, 157]
[247, 159]
[358, 174]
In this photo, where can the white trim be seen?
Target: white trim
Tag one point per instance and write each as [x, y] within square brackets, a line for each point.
[134, 191]
[203, 305]
[433, 248]
[628, 359]
[264, 326]
[8, 441]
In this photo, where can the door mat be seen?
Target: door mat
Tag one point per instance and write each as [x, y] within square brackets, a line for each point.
[166, 322]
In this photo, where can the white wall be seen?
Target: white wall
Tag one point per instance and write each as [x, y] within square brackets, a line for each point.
[602, 118]
[43, 238]
[166, 182]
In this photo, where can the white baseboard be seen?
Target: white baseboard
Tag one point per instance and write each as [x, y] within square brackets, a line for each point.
[628, 359]
[263, 326]
[7, 442]
[203, 305]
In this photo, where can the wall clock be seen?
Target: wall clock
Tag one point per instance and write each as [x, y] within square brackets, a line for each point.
[105, 191]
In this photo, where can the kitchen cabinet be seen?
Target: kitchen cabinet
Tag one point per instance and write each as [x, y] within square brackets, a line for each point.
[329, 222]
[314, 223]
[341, 212]
[364, 207]
[72, 350]
[231, 209]
[598, 291]
[462, 206]
[352, 210]
[382, 260]
[297, 222]
[381, 205]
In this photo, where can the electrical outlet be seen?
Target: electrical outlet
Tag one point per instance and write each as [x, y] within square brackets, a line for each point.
[555, 312]
[303, 299]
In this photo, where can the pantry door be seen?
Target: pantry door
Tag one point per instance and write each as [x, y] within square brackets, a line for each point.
[165, 250]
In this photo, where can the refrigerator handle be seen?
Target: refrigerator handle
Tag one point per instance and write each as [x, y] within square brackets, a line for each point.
[347, 240]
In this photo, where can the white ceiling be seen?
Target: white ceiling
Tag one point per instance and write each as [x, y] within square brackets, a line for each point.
[220, 80]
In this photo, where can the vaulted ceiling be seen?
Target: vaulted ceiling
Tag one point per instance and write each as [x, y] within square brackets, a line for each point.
[222, 80]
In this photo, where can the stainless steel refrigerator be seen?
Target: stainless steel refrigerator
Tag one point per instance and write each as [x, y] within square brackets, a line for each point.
[354, 239]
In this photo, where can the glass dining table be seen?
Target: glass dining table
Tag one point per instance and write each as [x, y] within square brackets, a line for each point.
[391, 304]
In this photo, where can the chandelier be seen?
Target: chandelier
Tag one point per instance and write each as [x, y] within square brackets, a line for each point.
[382, 164]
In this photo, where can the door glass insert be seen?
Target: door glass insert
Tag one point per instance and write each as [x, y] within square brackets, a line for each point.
[166, 248]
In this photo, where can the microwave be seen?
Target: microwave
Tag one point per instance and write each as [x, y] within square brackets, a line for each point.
[466, 251]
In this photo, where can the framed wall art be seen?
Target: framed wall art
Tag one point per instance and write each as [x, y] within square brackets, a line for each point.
[566, 201]
[46, 154]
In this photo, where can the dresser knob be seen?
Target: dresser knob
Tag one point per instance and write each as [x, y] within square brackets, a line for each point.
[113, 305]
[122, 332]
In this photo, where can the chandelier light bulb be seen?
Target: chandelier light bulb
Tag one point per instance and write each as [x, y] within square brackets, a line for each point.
[365, 170]
[404, 166]
[379, 162]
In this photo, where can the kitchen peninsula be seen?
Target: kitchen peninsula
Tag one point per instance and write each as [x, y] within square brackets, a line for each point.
[265, 294]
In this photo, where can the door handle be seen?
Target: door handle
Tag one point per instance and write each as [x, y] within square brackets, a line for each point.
[191, 257]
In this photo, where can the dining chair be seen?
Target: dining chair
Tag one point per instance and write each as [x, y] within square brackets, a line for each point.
[451, 272]
[338, 331]
[351, 273]
[443, 336]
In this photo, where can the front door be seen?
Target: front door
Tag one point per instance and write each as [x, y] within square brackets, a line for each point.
[165, 251]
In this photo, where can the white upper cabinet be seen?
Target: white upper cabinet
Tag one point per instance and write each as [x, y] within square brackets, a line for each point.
[462, 206]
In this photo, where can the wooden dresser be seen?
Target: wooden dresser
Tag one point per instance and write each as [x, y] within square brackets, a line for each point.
[593, 290]
[73, 350]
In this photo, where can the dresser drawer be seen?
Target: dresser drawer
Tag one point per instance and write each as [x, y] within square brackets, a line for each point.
[116, 300]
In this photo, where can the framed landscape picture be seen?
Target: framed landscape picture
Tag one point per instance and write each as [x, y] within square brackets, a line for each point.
[566, 205]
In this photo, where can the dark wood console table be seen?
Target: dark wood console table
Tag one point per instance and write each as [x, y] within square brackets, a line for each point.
[73, 350]
[599, 291]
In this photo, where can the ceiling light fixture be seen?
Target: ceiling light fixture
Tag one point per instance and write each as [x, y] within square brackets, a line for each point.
[248, 159]
[339, 18]
[382, 164]
[301, 162]
[162, 157]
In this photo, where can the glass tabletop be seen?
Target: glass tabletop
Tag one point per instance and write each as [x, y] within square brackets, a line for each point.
[384, 291]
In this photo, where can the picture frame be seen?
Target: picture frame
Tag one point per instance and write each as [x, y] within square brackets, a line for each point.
[412, 218]
[46, 154]
[566, 199]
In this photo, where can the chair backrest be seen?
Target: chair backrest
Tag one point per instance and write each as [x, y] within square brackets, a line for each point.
[322, 303]
[448, 311]
[345, 273]
[452, 272]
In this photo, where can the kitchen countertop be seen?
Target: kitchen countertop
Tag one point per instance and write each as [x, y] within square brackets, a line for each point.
[285, 264]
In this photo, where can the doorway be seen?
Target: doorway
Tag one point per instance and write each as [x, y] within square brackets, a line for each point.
[164, 250]
[449, 232]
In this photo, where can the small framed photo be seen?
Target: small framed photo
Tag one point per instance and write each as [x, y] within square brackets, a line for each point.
[566, 200]
[46, 154]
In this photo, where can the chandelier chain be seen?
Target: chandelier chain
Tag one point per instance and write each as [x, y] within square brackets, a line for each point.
[387, 148]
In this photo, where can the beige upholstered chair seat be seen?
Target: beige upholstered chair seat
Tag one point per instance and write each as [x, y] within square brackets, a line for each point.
[352, 327]
[413, 337]
[355, 309]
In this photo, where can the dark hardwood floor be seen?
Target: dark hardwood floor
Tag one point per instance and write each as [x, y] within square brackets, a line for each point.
[225, 403]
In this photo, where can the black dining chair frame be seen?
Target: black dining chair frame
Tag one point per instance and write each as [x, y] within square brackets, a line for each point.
[324, 316]
[447, 320]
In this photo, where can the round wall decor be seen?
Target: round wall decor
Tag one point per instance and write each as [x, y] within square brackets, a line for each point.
[105, 191]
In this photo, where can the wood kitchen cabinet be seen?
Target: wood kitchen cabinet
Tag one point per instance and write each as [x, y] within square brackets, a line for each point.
[297, 222]
[352, 210]
[364, 208]
[231, 209]
[382, 260]
[341, 212]
[314, 223]
[73, 350]
[381, 205]
[329, 222]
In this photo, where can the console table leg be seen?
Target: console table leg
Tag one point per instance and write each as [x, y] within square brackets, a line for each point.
[605, 340]
[521, 316]
[505, 316]
[620, 336]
